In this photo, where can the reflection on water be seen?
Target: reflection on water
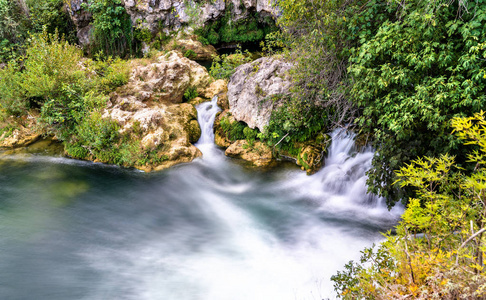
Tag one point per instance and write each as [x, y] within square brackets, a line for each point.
[211, 229]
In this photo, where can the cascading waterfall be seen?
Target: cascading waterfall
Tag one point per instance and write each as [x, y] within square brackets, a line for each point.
[206, 114]
[208, 230]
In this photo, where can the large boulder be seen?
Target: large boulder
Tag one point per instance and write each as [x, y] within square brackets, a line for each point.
[150, 107]
[164, 80]
[255, 88]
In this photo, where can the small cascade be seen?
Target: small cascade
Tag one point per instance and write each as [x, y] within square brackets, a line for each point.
[206, 113]
[344, 177]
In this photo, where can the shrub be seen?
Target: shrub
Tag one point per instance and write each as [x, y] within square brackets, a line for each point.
[12, 97]
[50, 63]
[224, 66]
[449, 211]
[111, 73]
[190, 54]
[190, 93]
[112, 27]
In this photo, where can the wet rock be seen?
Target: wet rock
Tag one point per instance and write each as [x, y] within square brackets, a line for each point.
[258, 154]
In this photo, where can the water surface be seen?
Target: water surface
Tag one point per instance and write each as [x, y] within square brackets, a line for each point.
[211, 229]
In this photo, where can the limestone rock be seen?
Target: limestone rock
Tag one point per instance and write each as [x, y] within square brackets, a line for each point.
[202, 52]
[254, 90]
[149, 107]
[171, 15]
[81, 18]
[19, 138]
[164, 80]
[24, 134]
[217, 87]
[259, 154]
[220, 137]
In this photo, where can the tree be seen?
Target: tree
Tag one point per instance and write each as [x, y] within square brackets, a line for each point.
[439, 247]
[421, 67]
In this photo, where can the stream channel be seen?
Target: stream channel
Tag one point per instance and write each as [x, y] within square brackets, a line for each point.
[212, 229]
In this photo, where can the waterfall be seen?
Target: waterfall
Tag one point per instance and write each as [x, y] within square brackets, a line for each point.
[206, 113]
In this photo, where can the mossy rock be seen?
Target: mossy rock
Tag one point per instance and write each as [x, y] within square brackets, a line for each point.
[193, 131]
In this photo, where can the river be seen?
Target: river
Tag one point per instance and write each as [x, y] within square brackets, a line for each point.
[211, 229]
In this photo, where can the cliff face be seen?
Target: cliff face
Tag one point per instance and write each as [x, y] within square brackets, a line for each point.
[171, 15]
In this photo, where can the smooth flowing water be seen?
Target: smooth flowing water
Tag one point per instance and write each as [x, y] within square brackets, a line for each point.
[211, 229]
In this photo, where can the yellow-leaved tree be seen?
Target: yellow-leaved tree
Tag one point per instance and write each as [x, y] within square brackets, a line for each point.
[439, 246]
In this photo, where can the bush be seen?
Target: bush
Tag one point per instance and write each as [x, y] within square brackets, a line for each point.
[99, 136]
[224, 66]
[50, 64]
[112, 28]
[190, 54]
[190, 93]
[12, 97]
[111, 73]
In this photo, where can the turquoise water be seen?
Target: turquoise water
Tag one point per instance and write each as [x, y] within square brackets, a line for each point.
[211, 229]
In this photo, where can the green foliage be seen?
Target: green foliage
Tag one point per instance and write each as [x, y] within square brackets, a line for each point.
[13, 29]
[112, 27]
[111, 73]
[142, 34]
[190, 54]
[411, 76]
[317, 42]
[50, 64]
[62, 114]
[294, 122]
[224, 66]
[250, 29]
[99, 136]
[18, 18]
[12, 97]
[449, 212]
[190, 93]
[233, 130]
[50, 15]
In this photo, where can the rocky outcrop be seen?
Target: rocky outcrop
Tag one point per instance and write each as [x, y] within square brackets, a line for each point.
[174, 13]
[255, 88]
[171, 15]
[259, 154]
[150, 107]
[24, 134]
[193, 49]
[81, 19]
[164, 80]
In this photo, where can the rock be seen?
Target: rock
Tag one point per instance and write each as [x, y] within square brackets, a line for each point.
[201, 52]
[149, 109]
[19, 138]
[255, 88]
[220, 138]
[24, 134]
[259, 154]
[310, 158]
[81, 18]
[217, 87]
[164, 80]
[170, 15]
